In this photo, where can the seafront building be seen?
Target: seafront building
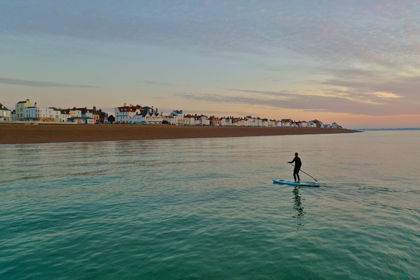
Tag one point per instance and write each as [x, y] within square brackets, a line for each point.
[30, 113]
[137, 114]
[20, 109]
[176, 117]
[26, 111]
[64, 115]
[5, 114]
[126, 114]
[142, 115]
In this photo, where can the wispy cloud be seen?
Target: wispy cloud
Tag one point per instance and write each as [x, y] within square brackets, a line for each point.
[277, 94]
[383, 84]
[158, 83]
[30, 83]
[385, 95]
[329, 30]
[374, 98]
[317, 103]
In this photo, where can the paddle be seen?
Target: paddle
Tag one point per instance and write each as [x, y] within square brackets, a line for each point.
[306, 173]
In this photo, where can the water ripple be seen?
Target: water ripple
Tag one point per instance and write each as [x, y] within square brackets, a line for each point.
[206, 208]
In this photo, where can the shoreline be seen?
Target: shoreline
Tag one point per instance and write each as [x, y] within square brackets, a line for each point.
[60, 133]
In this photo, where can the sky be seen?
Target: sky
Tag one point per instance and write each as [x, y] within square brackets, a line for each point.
[353, 62]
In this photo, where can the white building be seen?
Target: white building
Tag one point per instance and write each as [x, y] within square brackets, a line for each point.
[137, 119]
[189, 120]
[153, 119]
[20, 109]
[236, 122]
[226, 122]
[303, 124]
[44, 114]
[312, 124]
[173, 120]
[176, 117]
[250, 121]
[287, 123]
[125, 113]
[5, 114]
[315, 123]
[81, 120]
[55, 114]
[335, 125]
[240, 122]
[204, 120]
[31, 113]
[64, 115]
[265, 123]
[272, 123]
[74, 113]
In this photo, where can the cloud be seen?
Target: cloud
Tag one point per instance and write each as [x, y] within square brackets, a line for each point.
[382, 84]
[335, 31]
[29, 83]
[315, 103]
[374, 98]
[158, 83]
[279, 94]
[349, 57]
[386, 95]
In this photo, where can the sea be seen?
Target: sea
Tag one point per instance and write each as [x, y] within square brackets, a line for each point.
[207, 208]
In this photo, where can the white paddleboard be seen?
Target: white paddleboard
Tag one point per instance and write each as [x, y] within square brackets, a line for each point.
[290, 183]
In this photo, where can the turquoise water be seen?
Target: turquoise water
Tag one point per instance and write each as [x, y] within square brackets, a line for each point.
[207, 208]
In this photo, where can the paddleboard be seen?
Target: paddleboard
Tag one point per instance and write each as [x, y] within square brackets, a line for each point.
[290, 183]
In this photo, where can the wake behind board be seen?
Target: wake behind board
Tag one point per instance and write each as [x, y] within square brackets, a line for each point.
[290, 183]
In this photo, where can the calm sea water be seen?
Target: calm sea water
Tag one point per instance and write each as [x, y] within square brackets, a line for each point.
[206, 208]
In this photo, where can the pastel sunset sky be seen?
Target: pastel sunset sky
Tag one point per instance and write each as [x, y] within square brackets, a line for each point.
[354, 62]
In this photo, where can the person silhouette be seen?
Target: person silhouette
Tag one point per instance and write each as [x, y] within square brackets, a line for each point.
[298, 165]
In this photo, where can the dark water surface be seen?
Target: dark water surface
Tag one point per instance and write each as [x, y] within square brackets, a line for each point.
[206, 208]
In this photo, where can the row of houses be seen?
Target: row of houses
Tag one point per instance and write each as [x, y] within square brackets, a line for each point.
[249, 121]
[137, 114]
[26, 111]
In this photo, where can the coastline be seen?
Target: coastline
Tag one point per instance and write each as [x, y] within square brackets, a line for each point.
[58, 133]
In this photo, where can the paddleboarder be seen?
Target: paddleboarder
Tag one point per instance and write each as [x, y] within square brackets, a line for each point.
[298, 165]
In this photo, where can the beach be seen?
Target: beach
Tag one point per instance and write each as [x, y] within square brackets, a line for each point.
[55, 133]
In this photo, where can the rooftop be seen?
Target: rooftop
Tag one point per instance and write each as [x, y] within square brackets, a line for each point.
[20, 102]
[2, 107]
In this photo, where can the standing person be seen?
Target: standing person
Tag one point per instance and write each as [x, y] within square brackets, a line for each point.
[298, 165]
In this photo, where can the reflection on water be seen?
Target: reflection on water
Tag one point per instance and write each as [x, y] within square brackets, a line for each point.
[298, 206]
